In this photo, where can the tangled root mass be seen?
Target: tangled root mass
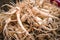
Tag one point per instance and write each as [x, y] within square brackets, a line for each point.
[30, 20]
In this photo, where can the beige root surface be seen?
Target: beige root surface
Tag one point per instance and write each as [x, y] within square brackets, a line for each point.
[30, 20]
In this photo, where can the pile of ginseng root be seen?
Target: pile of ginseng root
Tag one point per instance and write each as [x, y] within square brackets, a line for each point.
[30, 20]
